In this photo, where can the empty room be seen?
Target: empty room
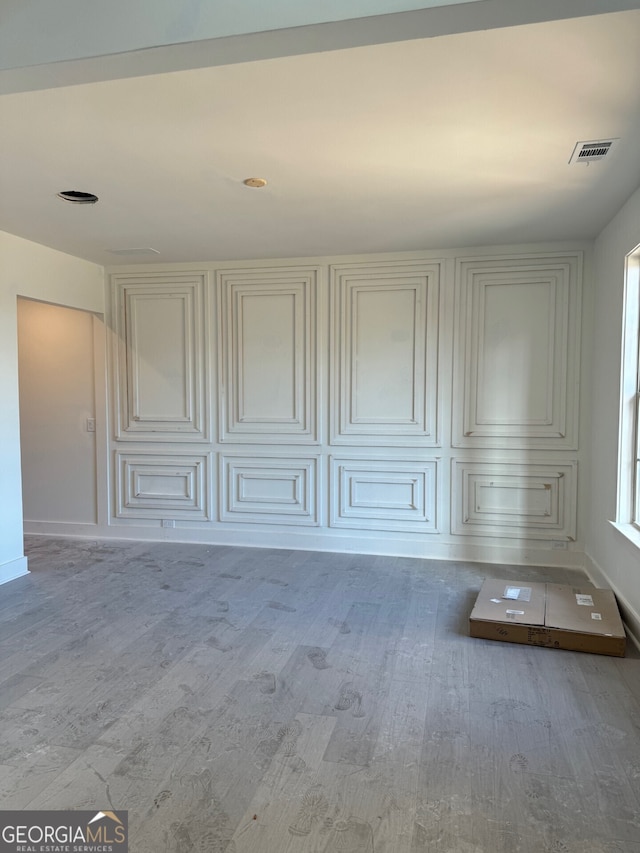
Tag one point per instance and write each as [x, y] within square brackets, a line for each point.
[320, 346]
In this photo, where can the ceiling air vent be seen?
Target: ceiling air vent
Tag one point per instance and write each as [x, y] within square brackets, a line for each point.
[145, 250]
[589, 152]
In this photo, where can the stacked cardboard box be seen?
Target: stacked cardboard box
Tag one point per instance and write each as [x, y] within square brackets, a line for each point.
[557, 616]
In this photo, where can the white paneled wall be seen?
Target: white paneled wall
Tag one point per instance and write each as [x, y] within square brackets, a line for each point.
[533, 500]
[517, 350]
[410, 404]
[267, 391]
[269, 489]
[162, 327]
[384, 346]
[151, 485]
[386, 494]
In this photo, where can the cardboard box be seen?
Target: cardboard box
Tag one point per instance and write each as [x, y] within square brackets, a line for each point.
[582, 619]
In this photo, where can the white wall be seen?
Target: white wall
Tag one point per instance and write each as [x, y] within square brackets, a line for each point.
[57, 396]
[611, 558]
[28, 269]
[423, 404]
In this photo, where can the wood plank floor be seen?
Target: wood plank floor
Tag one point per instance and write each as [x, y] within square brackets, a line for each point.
[275, 701]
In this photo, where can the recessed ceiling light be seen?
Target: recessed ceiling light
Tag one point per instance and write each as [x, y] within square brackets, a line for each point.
[254, 182]
[77, 197]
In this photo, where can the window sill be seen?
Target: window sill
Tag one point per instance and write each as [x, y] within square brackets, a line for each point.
[629, 531]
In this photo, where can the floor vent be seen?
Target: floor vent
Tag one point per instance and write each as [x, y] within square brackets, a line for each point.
[589, 152]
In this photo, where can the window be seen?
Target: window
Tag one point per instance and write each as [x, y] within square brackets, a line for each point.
[636, 431]
[629, 440]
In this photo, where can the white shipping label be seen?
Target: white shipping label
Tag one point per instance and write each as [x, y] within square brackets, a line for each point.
[597, 616]
[515, 612]
[586, 600]
[517, 593]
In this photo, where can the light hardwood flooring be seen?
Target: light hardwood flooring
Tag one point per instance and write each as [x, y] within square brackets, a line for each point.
[277, 701]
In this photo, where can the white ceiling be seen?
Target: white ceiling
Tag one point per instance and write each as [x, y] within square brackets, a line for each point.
[459, 140]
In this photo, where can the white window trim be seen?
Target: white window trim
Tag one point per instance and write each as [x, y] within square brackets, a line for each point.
[626, 513]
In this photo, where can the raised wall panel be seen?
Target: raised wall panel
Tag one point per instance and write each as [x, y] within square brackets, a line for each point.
[385, 351]
[268, 382]
[524, 500]
[469, 354]
[269, 489]
[516, 352]
[162, 388]
[161, 485]
[384, 494]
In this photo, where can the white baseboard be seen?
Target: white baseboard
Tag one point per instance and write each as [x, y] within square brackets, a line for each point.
[630, 616]
[321, 539]
[65, 528]
[13, 569]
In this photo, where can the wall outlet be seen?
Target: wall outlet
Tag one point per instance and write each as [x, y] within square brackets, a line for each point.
[168, 522]
[91, 424]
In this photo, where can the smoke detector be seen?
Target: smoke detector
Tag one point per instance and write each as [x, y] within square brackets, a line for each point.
[590, 152]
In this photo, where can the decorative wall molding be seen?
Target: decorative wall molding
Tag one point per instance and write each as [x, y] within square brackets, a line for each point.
[476, 349]
[385, 329]
[152, 484]
[161, 360]
[384, 494]
[267, 355]
[517, 351]
[507, 499]
[269, 489]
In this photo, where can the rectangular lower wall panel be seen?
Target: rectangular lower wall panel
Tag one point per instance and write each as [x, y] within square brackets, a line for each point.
[384, 494]
[158, 485]
[522, 500]
[269, 489]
